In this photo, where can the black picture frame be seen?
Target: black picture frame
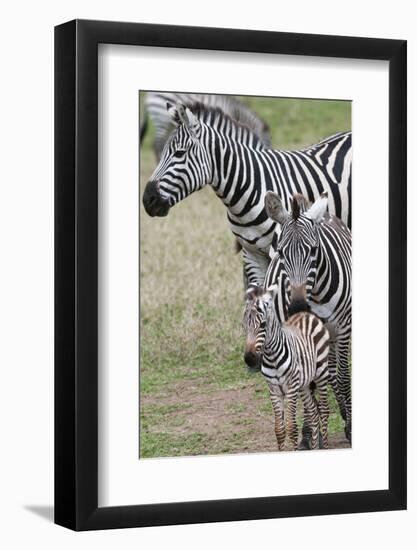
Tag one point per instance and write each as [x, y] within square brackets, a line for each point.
[76, 272]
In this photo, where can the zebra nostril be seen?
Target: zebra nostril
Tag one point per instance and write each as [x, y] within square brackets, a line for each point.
[153, 202]
[251, 359]
[298, 306]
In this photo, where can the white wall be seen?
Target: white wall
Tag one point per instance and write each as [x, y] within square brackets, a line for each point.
[26, 301]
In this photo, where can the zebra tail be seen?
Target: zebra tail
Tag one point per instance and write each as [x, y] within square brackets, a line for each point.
[144, 126]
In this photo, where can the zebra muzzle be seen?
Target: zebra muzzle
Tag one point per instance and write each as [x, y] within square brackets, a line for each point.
[252, 359]
[153, 202]
[298, 300]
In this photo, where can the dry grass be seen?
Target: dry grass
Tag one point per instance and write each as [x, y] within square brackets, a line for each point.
[185, 282]
[191, 295]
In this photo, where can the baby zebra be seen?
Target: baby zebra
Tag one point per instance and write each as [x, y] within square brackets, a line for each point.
[293, 358]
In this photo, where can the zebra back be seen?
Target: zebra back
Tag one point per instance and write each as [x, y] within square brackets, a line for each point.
[297, 348]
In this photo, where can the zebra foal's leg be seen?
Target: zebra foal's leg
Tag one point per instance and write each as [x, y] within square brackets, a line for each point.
[310, 409]
[305, 443]
[277, 401]
[291, 420]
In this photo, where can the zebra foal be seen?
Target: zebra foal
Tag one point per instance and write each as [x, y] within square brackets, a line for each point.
[292, 355]
[312, 267]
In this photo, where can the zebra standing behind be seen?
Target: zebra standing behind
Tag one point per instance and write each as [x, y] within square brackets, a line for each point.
[292, 356]
[312, 265]
[156, 110]
[209, 148]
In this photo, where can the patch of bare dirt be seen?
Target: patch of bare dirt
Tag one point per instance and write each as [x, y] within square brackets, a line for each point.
[234, 420]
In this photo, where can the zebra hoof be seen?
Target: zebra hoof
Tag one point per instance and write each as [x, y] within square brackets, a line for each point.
[348, 433]
[304, 445]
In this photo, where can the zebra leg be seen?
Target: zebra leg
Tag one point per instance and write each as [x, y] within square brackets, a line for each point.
[306, 432]
[277, 401]
[255, 265]
[343, 379]
[324, 411]
[310, 406]
[333, 379]
[305, 442]
[291, 424]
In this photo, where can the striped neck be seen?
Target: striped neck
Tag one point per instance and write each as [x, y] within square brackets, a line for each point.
[278, 352]
[275, 337]
[235, 178]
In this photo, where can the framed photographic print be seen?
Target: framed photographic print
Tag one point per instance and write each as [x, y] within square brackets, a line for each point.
[230, 248]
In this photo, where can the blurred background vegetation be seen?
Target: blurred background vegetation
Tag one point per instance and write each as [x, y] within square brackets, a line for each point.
[196, 396]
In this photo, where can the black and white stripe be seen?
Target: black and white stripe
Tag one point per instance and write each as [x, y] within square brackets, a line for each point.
[156, 110]
[293, 355]
[209, 148]
[312, 267]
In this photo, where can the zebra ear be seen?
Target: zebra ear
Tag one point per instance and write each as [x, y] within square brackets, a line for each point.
[318, 208]
[180, 114]
[173, 113]
[253, 292]
[191, 120]
[275, 209]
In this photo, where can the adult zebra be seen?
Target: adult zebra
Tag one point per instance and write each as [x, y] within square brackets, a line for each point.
[294, 354]
[209, 148]
[312, 264]
[156, 110]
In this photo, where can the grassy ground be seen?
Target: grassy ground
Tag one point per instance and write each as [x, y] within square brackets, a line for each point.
[196, 396]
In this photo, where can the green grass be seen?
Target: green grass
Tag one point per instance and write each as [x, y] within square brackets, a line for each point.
[167, 444]
[296, 123]
[196, 396]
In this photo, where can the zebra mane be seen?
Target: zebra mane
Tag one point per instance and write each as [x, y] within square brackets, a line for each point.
[299, 205]
[216, 117]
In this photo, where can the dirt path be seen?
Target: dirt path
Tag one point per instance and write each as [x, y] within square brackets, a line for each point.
[229, 420]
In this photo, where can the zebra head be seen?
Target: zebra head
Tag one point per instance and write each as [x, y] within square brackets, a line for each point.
[184, 166]
[258, 302]
[297, 246]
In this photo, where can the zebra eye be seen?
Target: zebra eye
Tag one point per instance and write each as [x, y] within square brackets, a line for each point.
[280, 253]
[179, 153]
